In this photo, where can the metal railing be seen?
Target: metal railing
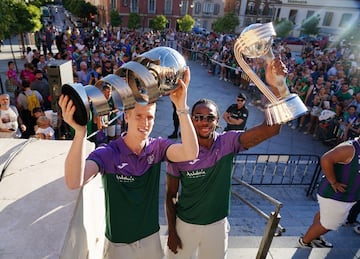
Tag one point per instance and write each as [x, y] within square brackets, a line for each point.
[273, 169]
[278, 169]
[272, 220]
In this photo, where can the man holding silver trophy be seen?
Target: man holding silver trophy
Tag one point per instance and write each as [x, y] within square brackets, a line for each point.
[130, 165]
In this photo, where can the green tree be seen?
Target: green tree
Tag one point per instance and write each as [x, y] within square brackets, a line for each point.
[134, 21]
[18, 18]
[7, 16]
[87, 9]
[283, 27]
[227, 23]
[158, 23]
[27, 19]
[310, 26]
[115, 18]
[186, 23]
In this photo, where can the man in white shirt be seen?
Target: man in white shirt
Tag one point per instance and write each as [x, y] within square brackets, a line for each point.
[9, 118]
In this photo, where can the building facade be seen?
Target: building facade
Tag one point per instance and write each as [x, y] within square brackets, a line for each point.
[334, 15]
[204, 12]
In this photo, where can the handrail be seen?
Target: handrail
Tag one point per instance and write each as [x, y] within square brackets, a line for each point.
[273, 218]
[278, 204]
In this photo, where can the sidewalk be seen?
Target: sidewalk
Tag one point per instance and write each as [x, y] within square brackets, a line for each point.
[6, 55]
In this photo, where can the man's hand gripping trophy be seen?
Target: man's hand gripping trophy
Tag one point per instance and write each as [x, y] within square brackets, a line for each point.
[256, 41]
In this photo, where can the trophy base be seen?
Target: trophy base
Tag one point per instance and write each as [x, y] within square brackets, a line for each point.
[285, 110]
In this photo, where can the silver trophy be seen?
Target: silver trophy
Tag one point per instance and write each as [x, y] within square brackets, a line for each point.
[143, 80]
[256, 41]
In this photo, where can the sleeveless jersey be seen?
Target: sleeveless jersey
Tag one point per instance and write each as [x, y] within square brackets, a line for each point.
[131, 186]
[206, 181]
[348, 174]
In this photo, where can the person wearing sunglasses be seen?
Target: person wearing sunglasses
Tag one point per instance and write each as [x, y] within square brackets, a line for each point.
[197, 212]
[130, 170]
[236, 114]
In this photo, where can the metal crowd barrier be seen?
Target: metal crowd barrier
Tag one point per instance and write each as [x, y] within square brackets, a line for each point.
[278, 169]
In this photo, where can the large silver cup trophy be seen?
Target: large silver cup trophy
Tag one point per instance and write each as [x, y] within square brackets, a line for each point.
[256, 41]
[143, 80]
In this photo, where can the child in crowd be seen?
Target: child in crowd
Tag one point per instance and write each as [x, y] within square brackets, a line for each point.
[44, 130]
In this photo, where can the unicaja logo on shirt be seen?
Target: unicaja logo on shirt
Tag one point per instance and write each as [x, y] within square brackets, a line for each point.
[124, 179]
[196, 174]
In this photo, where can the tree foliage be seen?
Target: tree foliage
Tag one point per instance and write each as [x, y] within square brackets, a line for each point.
[7, 16]
[134, 21]
[80, 8]
[115, 18]
[310, 26]
[283, 27]
[227, 23]
[158, 23]
[18, 17]
[186, 23]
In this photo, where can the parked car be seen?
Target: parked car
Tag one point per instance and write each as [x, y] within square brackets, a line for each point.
[308, 39]
[293, 40]
[319, 40]
[200, 30]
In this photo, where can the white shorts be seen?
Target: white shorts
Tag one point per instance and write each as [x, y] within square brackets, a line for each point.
[148, 247]
[333, 213]
[210, 241]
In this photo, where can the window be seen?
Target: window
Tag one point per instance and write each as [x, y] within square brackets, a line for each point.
[134, 6]
[277, 15]
[310, 14]
[251, 8]
[292, 16]
[328, 19]
[216, 9]
[152, 5]
[183, 6]
[345, 20]
[113, 5]
[208, 8]
[197, 8]
[261, 8]
[272, 10]
[125, 2]
[168, 7]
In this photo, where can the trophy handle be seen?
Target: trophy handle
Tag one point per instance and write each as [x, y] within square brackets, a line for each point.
[280, 80]
[257, 81]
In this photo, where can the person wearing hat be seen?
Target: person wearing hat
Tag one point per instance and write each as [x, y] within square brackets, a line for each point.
[236, 114]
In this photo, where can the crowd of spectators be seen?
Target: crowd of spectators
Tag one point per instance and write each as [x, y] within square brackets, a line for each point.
[326, 79]
[94, 53]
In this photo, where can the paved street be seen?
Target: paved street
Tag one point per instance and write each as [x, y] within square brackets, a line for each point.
[247, 226]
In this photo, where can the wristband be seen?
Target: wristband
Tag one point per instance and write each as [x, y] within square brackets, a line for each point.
[332, 184]
[184, 111]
